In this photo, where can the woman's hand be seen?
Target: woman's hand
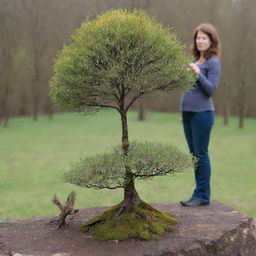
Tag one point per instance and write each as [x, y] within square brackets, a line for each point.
[195, 68]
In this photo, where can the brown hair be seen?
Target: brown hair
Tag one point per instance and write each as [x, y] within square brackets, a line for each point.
[215, 48]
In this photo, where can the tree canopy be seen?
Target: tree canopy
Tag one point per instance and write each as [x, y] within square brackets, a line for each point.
[145, 160]
[115, 59]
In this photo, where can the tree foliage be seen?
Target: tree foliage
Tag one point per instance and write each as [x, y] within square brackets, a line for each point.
[145, 160]
[115, 59]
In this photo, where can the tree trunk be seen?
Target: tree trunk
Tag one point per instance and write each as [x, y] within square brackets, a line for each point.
[6, 117]
[125, 139]
[225, 114]
[5, 107]
[37, 55]
[241, 117]
[35, 90]
[142, 114]
[22, 110]
[50, 113]
[49, 108]
[131, 197]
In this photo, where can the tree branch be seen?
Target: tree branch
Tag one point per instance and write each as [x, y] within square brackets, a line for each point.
[132, 101]
[101, 105]
[146, 65]
[127, 91]
[56, 201]
[102, 186]
[162, 87]
[117, 85]
[157, 173]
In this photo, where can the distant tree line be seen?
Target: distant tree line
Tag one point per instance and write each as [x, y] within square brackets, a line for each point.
[32, 31]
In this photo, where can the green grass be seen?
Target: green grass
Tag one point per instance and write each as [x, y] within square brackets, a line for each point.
[34, 155]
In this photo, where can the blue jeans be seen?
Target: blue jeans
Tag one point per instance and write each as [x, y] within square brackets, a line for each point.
[197, 128]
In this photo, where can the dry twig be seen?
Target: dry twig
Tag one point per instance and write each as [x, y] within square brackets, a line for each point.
[66, 209]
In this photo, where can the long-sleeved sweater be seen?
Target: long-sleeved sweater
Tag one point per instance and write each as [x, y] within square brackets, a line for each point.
[199, 99]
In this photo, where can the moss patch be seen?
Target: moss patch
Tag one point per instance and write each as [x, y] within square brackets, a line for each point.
[144, 222]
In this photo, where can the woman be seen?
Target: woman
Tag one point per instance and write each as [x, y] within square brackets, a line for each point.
[198, 109]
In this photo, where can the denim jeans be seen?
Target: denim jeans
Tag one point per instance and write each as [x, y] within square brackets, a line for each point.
[197, 128]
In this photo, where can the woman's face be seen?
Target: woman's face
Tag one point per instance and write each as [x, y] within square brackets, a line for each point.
[203, 41]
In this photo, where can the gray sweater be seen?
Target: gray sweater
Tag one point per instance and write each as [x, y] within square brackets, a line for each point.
[199, 99]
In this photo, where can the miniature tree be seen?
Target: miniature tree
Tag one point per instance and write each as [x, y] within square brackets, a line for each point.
[111, 62]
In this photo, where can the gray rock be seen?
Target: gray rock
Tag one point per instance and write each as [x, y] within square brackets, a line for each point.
[214, 230]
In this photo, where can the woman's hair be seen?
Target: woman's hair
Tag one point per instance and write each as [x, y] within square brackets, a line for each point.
[215, 48]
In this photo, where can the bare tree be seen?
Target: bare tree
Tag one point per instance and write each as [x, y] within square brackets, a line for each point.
[8, 45]
[33, 30]
[244, 63]
[40, 29]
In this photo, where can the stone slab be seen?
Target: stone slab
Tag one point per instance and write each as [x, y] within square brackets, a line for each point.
[211, 230]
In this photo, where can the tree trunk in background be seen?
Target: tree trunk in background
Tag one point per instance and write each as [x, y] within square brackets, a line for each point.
[241, 104]
[39, 30]
[1, 108]
[6, 117]
[46, 25]
[142, 111]
[225, 113]
[241, 117]
[35, 93]
[36, 55]
[5, 107]
[49, 108]
[22, 110]
[245, 63]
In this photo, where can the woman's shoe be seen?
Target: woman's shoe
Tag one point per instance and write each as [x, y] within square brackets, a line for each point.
[195, 202]
[183, 202]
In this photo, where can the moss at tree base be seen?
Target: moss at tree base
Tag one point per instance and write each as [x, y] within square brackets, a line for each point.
[144, 222]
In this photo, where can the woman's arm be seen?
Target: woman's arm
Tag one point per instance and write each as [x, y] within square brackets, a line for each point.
[209, 82]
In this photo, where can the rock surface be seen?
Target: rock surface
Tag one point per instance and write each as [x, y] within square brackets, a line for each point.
[213, 230]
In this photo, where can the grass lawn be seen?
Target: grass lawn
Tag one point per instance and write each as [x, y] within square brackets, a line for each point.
[33, 156]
